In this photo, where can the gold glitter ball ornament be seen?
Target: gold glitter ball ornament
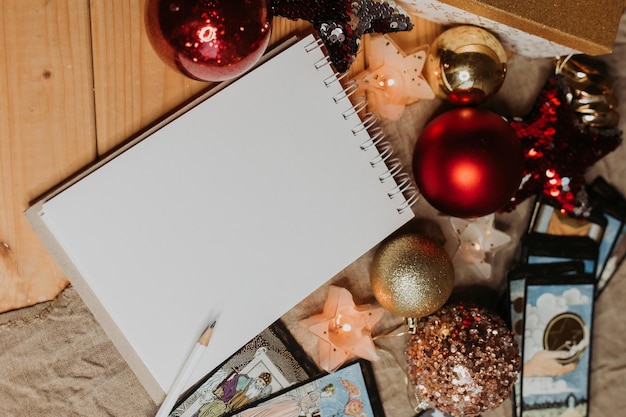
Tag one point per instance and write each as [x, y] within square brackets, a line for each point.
[411, 276]
[466, 65]
[462, 360]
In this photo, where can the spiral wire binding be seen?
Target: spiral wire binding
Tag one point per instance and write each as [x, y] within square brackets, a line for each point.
[368, 121]
[348, 91]
[333, 78]
[394, 167]
[404, 184]
[376, 137]
[384, 153]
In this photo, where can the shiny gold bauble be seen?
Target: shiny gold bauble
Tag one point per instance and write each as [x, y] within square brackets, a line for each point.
[590, 90]
[411, 276]
[465, 65]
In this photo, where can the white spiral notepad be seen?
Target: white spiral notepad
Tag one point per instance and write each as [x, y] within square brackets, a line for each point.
[238, 206]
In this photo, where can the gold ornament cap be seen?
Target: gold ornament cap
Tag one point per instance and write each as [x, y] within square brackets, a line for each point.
[590, 93]
[411, 276]
[466, 65]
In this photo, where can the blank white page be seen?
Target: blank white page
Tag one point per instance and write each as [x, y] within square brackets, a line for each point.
[241, 206]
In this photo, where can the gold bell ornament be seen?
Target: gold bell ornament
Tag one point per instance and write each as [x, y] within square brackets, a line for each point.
[466, 65]
[590, 90]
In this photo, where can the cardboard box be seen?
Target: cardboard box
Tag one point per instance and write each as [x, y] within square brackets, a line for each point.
[532, 28]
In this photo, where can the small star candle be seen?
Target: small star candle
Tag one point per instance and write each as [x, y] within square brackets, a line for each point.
[394, 78]
[343, 329]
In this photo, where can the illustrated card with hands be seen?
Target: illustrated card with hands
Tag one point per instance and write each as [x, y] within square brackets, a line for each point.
[557, 329]
[563, 263]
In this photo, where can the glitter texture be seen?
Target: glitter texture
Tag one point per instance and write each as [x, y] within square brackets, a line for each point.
[558, 149]
[462, 360]
[411, 276]
[340, 24]
[209, 41]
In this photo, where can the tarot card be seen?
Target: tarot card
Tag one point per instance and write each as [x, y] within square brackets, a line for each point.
[558, 318]
[612, 248]
[615, 258]
[348, 391]
[600, 187]
[548, 219]
[542, 248]
[273, 356]
[517, 277]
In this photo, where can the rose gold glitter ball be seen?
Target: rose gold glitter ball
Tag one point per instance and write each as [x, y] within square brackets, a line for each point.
[463, 360]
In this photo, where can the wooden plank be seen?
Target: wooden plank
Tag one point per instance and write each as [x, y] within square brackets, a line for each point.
[61, 106]
[133, 87]
[46, 131]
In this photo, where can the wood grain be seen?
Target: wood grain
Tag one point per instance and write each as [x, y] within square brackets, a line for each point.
[78, 78]
[46, 130]
[133, 87]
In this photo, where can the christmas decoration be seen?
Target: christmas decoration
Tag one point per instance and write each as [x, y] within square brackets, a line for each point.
[476, 238]
[558, 149]
[468, 162]
[462, 360]
[590, 90]
[344, 330]
[209, 41]
[341, 23]
[411, 276]
[466, 65]
[394, 78]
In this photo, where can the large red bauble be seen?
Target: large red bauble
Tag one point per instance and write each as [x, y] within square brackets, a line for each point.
[209, 40]
[468, 162]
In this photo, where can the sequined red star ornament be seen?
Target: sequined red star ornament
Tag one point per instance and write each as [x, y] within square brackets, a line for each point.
[340, 24]
[558, 149]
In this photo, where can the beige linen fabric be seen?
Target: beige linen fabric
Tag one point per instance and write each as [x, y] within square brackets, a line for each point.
[56, 361]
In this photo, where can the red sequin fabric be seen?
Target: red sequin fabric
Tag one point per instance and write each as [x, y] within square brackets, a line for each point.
[340, 24]
[558, 149]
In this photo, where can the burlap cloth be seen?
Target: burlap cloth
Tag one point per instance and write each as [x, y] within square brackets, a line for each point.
[55, 360]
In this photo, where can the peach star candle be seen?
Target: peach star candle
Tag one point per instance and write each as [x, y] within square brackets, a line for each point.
[393, 78]
[344, 330]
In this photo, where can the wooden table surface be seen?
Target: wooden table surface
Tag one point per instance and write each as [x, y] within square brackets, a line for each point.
[77, 78]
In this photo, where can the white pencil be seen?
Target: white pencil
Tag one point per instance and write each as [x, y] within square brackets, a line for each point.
[185, 373]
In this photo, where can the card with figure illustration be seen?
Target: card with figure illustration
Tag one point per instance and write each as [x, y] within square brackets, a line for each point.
[558, 318]
[348, 391]
[270, 362]
[612, 249]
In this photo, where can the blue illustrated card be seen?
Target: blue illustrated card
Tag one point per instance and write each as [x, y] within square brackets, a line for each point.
[556, 354]
[349, 391]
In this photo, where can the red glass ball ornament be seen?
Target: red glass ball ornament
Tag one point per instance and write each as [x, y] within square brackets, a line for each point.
[468, 162]
[209, 40]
